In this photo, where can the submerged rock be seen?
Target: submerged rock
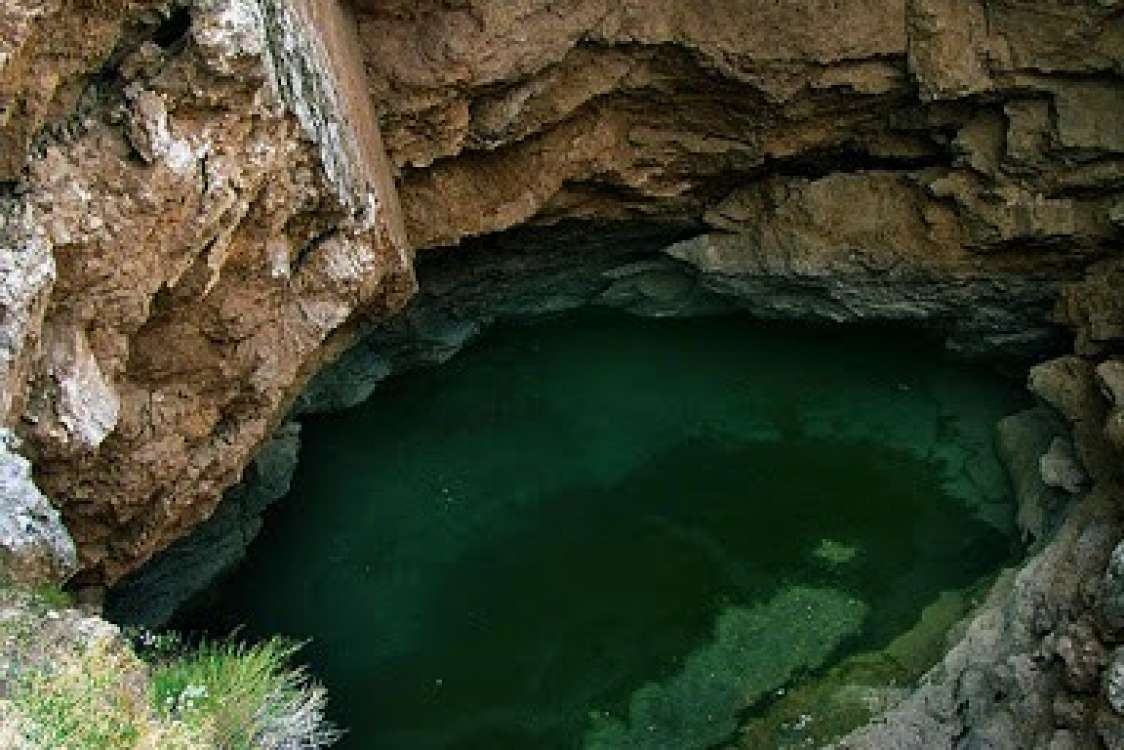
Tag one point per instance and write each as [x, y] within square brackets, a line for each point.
[835, 553]
[818, 709]
[755, 651]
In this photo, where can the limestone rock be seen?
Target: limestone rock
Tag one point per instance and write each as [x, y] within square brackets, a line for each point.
[46, 49]
[34, 544]
[948, 48]
[1060, 467]
[196, 214]
[218, 220]
[1110, 376]
[75, 408]
[185, 569]
[1067, 384]
[1091, 117]
[1114, 681]
[1112, 590]
[209, 181]
[1083, 656]
[1110, 729]
[994, 687]
[27, 274]
[855, 247]
[1093, 306]
[1064, 739]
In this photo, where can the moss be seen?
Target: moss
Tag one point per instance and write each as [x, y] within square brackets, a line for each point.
[51, 596]
[849, 695]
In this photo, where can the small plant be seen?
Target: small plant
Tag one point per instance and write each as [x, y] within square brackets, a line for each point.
[52, 596]
[81, 704]
[76, 707]
[70, 682]
[245, 697]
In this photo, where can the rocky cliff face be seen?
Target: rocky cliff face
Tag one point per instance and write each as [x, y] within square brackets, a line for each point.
[186, 245]
[199, 207]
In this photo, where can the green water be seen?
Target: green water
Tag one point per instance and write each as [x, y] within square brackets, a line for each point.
[607, 532]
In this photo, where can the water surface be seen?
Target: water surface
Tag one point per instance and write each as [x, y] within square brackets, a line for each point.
[608, 532]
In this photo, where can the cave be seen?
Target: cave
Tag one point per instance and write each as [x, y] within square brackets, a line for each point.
[581, 494]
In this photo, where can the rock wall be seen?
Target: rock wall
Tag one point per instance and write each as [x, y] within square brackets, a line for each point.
[1033, 666]
[199, 210]
[597, 109]
[185, 249]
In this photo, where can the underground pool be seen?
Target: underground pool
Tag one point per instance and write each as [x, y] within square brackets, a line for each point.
[601, 531]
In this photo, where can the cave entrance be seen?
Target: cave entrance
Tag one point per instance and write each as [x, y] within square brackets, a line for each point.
[604, 531]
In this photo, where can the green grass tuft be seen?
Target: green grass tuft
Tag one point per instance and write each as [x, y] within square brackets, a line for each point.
[69, 681]
[245, 697]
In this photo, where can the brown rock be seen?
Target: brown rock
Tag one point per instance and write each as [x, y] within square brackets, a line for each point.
[199, 285]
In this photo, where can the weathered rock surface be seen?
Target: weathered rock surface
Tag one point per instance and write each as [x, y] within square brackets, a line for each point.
[189, 565]
[1029, 671]
[47, 50]
[206, 231]
[34, 544]
[640, 108]
[1061, 469]
[1022, 440]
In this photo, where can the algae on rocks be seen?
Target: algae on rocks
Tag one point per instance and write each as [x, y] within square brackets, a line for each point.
[755, 651]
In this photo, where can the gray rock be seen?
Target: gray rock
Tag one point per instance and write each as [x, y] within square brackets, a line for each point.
[1112, 590]
[1083, 656]
[1021, 439]
[1114, 681]
[1110, 729]
[1068, 385]
[1060, 467]
[76, 407]
[27, 275]
[998, 685]
[1110, 377]
[1064, 739]
[34, 543]
[1069, 711]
